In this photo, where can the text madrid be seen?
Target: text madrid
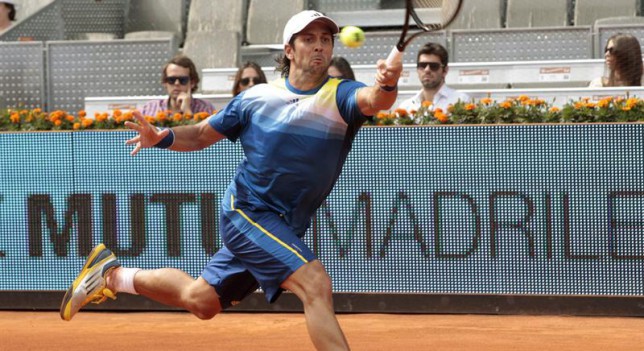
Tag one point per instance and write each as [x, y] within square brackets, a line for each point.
[553, 212]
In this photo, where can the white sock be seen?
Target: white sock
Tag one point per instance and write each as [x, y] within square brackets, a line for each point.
[123, 280]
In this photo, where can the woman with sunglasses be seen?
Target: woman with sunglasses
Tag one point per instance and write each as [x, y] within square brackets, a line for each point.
[341, 68]
[248, 75]
[623, 59]
[431, 66]
[180, 79]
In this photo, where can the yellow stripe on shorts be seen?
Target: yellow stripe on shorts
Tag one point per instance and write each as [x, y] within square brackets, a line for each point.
[232, 205]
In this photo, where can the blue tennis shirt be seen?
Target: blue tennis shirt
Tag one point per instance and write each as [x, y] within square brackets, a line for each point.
[295, 144]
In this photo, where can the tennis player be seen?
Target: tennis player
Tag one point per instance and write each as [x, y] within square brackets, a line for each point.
[296, 133]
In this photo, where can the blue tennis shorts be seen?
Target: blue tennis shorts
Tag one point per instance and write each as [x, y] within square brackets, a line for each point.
[260, 248]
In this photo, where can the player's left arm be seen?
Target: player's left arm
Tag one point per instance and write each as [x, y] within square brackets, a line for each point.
[382, 95]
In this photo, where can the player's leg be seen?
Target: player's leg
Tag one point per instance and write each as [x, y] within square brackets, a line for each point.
[279, 259]
[102, 276]
[224, 282]
[171, 287]
[312, 285]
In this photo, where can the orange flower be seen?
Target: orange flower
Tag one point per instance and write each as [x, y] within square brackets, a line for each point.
[486, 101]
[58, 122]
[603, 103]
[150, 119]
[128, 116]
[37, 110]
[401, 112]
[76, 126]
[427, 104]
[161, 116]
[15, 118]
[201, 116]
[382, 115]
[24, 112]
[441, 117]
[70, 118]
[506, 104]
[631, 102]
[87, 122]
[82, 114]
[117, 113]
[523, 98]
[470, 107]
[177, 117]
[554, 109]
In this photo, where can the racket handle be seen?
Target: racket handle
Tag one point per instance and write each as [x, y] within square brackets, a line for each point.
[394, 57]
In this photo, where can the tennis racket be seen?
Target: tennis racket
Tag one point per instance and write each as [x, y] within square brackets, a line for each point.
[448, 11]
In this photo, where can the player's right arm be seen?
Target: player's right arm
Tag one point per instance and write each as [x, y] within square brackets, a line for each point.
[183, 138]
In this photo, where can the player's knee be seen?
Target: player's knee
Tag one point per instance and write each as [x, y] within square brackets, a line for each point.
[318, 285]
[205, 313]
[203, 303]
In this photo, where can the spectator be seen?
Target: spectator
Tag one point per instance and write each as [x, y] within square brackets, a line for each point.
[431, 66]
[248, 75]
[340, 68]
[623, 58]
[7, 13]
[180, 79]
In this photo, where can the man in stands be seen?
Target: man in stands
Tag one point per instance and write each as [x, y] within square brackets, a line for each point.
[181, 80]
[431, 66]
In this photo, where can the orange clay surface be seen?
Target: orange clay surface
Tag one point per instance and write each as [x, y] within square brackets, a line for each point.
[255, 331]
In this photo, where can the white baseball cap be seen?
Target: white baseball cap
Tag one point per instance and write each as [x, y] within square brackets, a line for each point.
[299, 21]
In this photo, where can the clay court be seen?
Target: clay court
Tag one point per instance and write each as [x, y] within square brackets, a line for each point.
[255, 331]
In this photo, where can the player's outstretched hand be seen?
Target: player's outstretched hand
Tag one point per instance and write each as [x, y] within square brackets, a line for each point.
[148, 135]
[388, 75]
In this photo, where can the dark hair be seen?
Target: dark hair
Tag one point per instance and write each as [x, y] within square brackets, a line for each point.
[628, 61]
[248, 64]
[344, 67]
[284, 63]
[12, 11]
[185, 62]
[434, 49]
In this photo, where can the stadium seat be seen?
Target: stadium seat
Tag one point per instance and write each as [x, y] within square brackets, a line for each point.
[155, 16]
[214, 37]
[530, 13]
[588, 11]
[266, 19]
[478, 14]
[205, 48]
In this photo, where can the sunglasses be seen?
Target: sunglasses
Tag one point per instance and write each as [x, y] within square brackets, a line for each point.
[610, 50]
[183, 80]
[434, 66]
[246, 81]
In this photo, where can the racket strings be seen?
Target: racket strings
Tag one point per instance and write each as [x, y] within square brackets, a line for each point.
[448, 8]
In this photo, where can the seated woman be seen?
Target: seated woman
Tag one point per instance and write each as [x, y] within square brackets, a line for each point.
[623, 57]
[340, 68]
[249, 74]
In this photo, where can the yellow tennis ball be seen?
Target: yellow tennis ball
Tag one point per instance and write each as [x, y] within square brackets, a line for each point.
[352, 36]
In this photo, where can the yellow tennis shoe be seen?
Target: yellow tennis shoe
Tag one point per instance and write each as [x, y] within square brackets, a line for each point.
[90, 285]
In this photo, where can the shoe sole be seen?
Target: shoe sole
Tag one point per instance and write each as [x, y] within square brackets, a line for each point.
[66, 305]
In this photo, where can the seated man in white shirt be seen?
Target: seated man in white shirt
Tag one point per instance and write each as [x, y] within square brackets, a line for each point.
[431, 65]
